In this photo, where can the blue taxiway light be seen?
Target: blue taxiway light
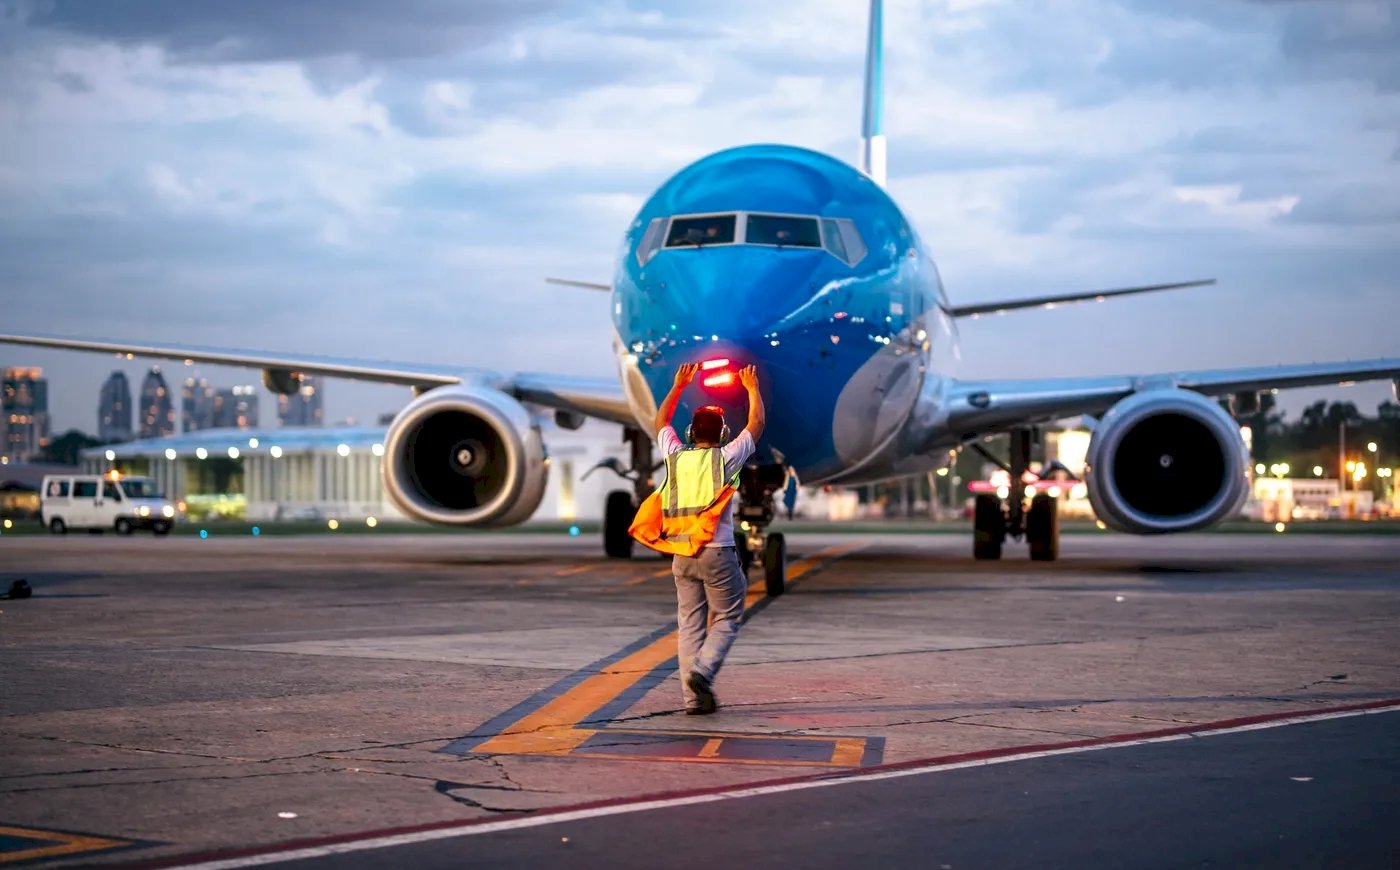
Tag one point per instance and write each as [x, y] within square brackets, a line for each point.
[203, 533]
[256, 531]
[573, 531]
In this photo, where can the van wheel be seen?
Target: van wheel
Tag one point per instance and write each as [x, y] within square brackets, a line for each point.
[123, 526]
[57, 526]
[160, 529]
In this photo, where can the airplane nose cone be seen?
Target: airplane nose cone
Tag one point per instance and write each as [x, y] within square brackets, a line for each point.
[736, 294]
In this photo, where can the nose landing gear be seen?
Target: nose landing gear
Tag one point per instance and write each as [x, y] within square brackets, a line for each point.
[757, 483]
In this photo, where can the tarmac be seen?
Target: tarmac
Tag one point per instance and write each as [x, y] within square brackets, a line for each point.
[496, 700]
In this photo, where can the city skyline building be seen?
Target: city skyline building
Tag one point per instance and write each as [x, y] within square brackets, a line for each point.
[114, 409]
[24, 400]
[157, 408]
[196, 404]
[305, 407]
[236, 407]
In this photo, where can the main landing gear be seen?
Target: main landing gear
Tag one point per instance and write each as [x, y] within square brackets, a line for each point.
[996, 518]
[621, 506]
[754, 513]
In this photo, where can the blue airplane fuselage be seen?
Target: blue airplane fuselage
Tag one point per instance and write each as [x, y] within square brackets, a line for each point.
[848, 353]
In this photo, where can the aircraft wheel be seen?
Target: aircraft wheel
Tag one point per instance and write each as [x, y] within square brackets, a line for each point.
[57, 526]
[774, 566]
[123, 526]
[1043, 528]
[988, 527]
[618, 513]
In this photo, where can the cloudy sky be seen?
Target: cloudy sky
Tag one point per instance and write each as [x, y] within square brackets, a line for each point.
[394, 181]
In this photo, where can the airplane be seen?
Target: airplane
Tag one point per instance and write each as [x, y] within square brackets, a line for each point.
[802, 265]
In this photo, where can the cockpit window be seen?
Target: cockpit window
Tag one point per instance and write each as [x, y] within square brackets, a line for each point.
[837, 236]
[831, 239]
[714, 229]
[851, 241]
[651, 240]
[782, 230]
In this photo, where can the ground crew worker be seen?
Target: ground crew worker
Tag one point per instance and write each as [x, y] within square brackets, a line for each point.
[702, 477]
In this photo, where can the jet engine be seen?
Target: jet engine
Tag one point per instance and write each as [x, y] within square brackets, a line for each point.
[1167, 460]
[465, 456]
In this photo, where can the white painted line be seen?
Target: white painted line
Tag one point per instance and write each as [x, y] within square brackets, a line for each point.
[732, 794]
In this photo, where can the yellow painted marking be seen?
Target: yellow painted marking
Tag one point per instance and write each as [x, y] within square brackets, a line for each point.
[550, 729]
[70, 844]
[569, 572]
[711, 747]
[848, 751]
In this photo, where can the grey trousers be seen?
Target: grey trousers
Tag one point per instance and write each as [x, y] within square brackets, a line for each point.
[710, 581]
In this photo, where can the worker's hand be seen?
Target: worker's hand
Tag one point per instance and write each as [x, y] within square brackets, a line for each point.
[686, 373]
[748, 376]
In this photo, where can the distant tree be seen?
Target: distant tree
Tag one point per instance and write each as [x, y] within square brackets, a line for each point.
[1266, 425]
[64, 449]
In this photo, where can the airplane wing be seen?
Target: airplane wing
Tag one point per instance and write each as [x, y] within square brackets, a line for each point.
[980, 308]
[593, 397]
[982, 407]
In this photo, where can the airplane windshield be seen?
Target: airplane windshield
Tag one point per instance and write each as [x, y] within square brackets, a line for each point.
[141, 489]
[837, 236]
[714, 229]
[783, 231]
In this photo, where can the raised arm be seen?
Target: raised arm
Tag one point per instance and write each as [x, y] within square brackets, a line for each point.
[748, 376]
[684, 375]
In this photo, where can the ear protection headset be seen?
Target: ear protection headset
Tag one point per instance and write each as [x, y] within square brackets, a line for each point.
[723, 427]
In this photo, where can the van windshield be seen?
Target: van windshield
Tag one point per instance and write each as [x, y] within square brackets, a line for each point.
[141, 489]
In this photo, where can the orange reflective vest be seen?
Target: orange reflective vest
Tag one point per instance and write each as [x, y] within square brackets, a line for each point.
[684, 512]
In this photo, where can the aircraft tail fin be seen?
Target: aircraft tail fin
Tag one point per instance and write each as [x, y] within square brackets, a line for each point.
[872, 127]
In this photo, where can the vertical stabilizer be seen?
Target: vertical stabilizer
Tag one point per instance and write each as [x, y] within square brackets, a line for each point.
[872, 127]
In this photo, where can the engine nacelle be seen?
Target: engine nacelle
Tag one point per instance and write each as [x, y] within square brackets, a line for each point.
[465, 456]
[1166, 461]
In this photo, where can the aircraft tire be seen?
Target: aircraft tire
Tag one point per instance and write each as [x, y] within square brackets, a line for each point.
[618, 513]
[1043, 528]
[775, 565]
[988, 527]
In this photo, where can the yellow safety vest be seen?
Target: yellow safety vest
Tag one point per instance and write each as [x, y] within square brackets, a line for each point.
[684, 512]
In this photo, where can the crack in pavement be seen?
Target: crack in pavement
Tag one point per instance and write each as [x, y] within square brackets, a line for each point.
[448, 789]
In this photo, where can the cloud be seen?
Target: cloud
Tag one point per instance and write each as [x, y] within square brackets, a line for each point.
[277, 30]
[256, 174]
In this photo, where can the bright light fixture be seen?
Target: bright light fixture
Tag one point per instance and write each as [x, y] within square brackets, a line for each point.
[201, 453]
[111, 455]
[275, 451]
[170, 453]
[233, 453]
[377, 450]
[343, 449]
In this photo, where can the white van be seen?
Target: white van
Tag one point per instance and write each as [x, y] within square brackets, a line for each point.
[89, 501]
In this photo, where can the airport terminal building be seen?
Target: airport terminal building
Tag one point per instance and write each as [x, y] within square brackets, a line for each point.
[332, 472]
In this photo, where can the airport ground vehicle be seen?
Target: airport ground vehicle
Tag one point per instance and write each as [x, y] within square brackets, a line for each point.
[99, 503]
